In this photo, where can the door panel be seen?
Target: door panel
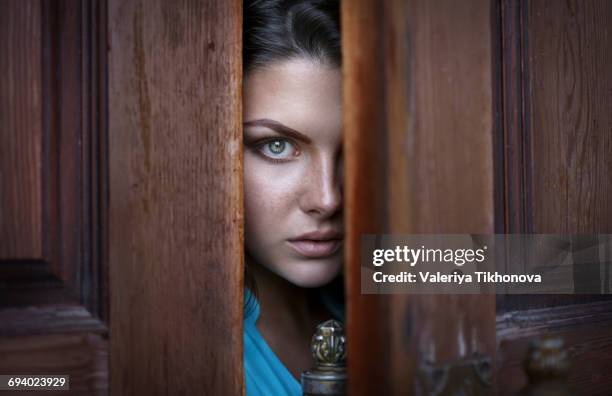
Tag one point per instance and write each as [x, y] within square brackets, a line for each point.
[475, 117]
[557, 127]
[53, 287]
[176, 249]
[555, 148]
[585, 329]
[568, 118]
[21, 150]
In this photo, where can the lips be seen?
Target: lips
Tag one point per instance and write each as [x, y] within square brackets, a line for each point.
[317, 244]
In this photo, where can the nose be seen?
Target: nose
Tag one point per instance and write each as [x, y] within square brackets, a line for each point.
[322, 194]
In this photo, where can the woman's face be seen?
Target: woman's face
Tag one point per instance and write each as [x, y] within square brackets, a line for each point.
[293, 170]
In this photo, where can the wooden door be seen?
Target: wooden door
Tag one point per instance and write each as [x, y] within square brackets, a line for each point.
[474, 117]
[53, 288]
[120, 167]
[555, 149]
[460, 117]
[175, 155]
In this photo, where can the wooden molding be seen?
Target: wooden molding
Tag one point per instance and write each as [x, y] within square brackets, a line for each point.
[533, 322]
[45, 320]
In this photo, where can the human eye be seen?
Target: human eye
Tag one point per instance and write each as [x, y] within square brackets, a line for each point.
[278, 149]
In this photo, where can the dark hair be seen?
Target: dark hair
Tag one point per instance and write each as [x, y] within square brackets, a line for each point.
[283, 29]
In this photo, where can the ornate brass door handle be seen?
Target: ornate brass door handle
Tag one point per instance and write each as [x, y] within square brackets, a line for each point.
[328, 347]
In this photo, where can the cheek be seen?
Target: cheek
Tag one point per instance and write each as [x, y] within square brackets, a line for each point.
[268, 200]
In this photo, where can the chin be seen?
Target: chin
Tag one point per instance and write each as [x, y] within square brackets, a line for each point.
[312, 274]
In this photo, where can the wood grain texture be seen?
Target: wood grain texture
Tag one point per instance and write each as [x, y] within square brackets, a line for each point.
[569, 102]
[449, 143]
[52, 297]
[557, 126]
[418, 137]
[82, 356]
[176, 237]
[585, 329]
[21, 221]
[365, 138]
[69, 92]
[46, 320]
[557, 133]
[513, 199]
[532, 322]
[557, 123]
[452, 123]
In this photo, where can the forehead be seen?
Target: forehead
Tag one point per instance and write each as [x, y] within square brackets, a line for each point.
[300, 93]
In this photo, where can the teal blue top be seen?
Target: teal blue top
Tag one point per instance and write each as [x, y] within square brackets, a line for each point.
[264, 373]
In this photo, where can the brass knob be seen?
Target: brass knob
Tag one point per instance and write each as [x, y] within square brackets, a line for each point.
[547, 366]
[328, 347]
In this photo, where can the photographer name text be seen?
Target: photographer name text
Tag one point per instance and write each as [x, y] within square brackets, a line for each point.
[458, 278]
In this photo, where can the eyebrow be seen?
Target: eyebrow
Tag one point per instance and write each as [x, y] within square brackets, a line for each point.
[280, 128]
